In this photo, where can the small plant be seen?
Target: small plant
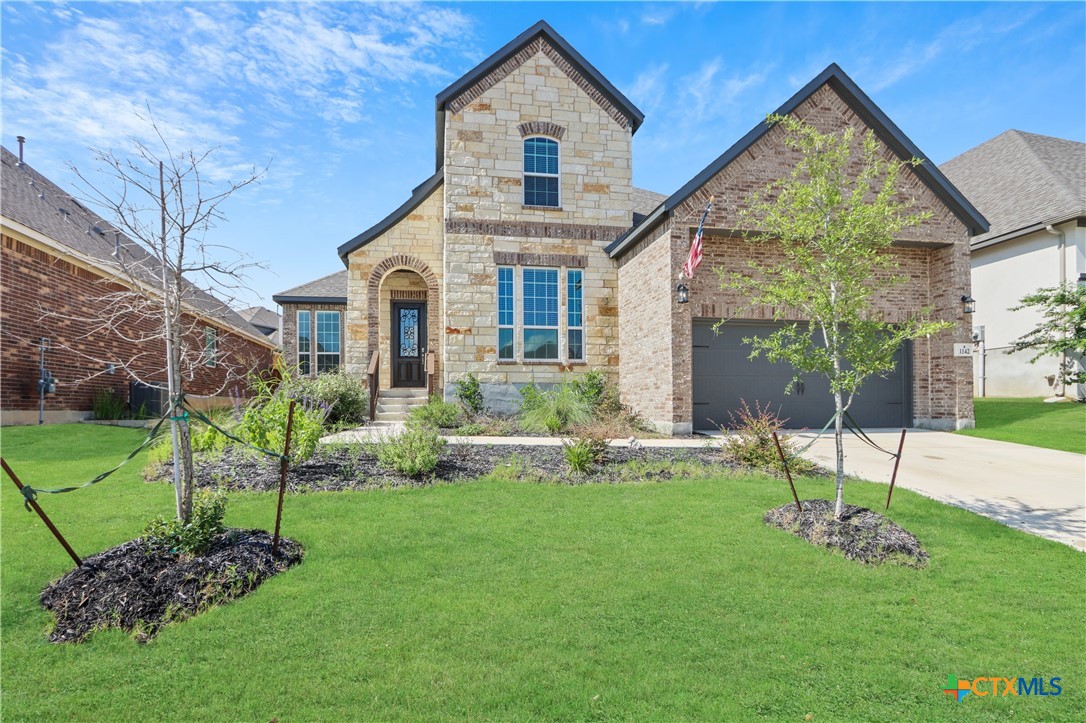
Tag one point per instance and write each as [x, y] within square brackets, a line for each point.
[470, 393]
[555, 409]
[530, 397]
[584, 453]
[517, 468]
[437, 413]
[591, 386]
[472, 429]
[195, 536]
[264, 423]
[413, 452]
[346, 398]
[750, 441]
[107, 404]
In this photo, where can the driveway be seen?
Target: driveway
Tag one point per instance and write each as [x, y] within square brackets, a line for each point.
[1041, 491]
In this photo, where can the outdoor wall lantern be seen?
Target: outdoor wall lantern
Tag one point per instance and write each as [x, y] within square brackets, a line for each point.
[969, 304]
[683, 292]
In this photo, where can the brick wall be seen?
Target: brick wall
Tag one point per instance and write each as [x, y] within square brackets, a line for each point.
[46, 295]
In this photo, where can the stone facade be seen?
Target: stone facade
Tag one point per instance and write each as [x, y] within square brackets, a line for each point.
[45, 294]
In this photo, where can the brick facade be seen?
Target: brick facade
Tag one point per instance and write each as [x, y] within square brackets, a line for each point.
[43, 295]
[290, 332]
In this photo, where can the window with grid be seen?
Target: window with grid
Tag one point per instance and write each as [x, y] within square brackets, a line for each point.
[540, 298]
[541, 179]
[575, 314]
[327, 341]
[211, 346]
[506, 346]
[305, 348]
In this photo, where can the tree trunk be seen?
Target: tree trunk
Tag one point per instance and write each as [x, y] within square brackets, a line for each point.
[185, 437]
[839, 440]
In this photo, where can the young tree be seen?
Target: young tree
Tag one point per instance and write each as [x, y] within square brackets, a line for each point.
[1061, 331]
[833, 220]
[170, 280]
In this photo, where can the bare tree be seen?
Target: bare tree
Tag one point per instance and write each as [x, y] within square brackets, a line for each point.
[170, 279]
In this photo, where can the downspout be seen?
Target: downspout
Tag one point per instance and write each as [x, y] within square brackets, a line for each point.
[1062, 248]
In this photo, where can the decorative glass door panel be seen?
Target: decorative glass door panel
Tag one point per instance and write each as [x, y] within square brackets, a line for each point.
[409, 332]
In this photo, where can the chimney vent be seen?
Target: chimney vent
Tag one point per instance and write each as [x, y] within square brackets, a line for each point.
[22, 140]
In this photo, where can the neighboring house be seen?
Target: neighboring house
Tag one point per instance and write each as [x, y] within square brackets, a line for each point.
[528, 255]
[263, 320]
[1033, 191]
[314, 334]
[59, 260]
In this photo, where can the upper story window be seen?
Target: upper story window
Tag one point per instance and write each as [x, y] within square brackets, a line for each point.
[541, 179]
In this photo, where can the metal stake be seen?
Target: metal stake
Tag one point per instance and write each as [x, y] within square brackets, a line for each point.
[44, 517]
[787, 474]
[283, 478]
[897, 461]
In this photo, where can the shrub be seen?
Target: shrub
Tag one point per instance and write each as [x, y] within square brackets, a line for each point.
[584, 452]
[347, 398]
[530, 397]
[195, 536]
[751, 443]
[107, 404]
[591, 387]
[470, 393]
[412, 452]
[555, 409]
[264, 423]
[436, 413]
[471, 429]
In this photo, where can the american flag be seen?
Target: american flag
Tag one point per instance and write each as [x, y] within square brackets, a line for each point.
[695, 247]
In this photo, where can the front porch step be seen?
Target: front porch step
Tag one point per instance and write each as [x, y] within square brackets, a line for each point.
[384, 418]
[408, 393]
[394, 405]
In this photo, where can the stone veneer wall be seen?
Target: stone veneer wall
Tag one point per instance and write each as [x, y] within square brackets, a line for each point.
[488, 224]
[290, 332]
[412, 245]
[937, 259]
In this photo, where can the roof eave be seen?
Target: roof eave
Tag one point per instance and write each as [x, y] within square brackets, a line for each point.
[418, 195]
[309, 299]
[1080, 216]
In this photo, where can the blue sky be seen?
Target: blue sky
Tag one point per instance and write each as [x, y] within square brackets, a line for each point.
[339, 96]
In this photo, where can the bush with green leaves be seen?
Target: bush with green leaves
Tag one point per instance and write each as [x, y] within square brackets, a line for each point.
[559, 408]
[750, 440]
[470, 393]
[264, 422]
[437, 413]
[107, 404]
[346, 398]
[413, 452]
[195, 536]
[591, 386]
[584, 453]
[471, 429]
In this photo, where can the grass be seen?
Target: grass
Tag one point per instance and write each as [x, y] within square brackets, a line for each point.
[1031, 421]
[514, 601]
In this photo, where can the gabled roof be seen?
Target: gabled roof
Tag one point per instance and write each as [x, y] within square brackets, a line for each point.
[867, 111]
[33, 201]
[417, 196]
[1022, 182]
[540, 30]
[330, 289]
[265, 320]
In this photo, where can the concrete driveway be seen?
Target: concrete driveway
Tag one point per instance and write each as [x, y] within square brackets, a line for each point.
[1041, 491]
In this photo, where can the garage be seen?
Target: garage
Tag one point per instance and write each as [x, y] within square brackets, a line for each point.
[724, 375]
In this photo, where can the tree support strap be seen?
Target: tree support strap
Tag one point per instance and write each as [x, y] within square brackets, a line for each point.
[862, 436]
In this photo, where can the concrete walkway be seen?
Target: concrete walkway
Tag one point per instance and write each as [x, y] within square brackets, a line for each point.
[1040, 491]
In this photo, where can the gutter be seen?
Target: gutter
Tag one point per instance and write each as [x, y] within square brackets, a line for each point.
[1061, 247]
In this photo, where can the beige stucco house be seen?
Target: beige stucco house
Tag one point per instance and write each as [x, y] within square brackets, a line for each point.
[529, 255]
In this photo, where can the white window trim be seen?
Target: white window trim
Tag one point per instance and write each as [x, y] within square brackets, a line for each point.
[560, 353]
[512, 327]
[579, 327]
[211, 351]
[298, 338]
[524, 174]
[339, 339]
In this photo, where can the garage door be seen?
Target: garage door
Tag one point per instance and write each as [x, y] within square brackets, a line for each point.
[724, 376]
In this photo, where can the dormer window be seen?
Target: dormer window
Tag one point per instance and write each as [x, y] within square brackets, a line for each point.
[541, 179]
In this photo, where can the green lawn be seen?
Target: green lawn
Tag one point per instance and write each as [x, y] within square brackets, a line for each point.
[514, 601]
[1032, 422]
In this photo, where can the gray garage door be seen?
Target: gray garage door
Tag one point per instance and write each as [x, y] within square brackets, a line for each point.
[724, 375]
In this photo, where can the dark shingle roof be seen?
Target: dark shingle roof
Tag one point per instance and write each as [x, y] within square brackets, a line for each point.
[1020, 181]
[330, 289]
[265, 320]
[872, 116]
[32, 200]
[644, 202]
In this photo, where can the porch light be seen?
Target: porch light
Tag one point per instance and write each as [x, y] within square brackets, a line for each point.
[969, 304]
[683, 292]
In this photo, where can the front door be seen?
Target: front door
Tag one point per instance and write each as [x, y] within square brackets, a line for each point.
[408, 344]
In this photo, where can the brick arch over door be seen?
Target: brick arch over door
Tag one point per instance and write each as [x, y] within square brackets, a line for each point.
[401, 262]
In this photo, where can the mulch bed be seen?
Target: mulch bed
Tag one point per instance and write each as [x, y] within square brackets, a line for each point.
[139, 589]
[860, 534]
[350, 467]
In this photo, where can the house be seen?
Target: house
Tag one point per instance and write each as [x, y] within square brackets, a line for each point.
[263, 320]
[58, 261]
[529, 255]
[1032, 189]
[314, 333]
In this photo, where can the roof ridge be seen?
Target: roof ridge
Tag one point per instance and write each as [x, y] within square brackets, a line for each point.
[1067, 192]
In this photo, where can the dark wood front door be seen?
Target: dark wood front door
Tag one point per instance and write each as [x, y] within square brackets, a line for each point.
[408, 344]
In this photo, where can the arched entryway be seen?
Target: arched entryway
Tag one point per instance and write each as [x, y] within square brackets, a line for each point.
[404, 321]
